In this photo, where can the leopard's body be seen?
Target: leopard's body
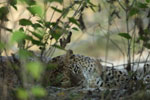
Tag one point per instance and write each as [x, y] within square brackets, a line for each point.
[93, 74]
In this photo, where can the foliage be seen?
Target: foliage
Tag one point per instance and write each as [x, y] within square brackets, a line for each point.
[48, 33]
[42, 32]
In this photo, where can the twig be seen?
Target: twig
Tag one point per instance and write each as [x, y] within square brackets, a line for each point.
[129, 42]
[42, 53]
[121, 5]
[115, 44]
[140, 54]
[133, 35]
[59, 19]
[107, 43]
[53, 29]
[132, 63]
[105, 61]
[5, 28]
[127, 27]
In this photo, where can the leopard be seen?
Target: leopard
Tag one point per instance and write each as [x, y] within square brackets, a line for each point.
[92, 73]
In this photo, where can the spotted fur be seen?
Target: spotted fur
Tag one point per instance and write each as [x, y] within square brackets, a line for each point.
[86, 68]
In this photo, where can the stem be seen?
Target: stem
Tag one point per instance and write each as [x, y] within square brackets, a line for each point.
[129, 42]
[134, 41]
[127, 9]
[107, 44]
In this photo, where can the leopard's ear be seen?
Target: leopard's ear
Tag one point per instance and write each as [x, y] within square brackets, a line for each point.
[69, 52]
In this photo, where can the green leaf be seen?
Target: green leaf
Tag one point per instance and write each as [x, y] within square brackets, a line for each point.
[59, 1]
[56, 9]
[18, 36]
[13, 3]
[40, 37]
[125, 35]
[24, 53]
[74, 21]
[28, 2]
[37, 42]
[25, 22]
[38, 91]
[22, 94]
[77, 1]
[2, 45]
[147, 45]
[3, 13]
[133, 11]
[76, 29]
[40, 21]
[148, 1]
[35, 69]
[29, 38]
[142, 5]
[53, 23]
[92, 8]
[36, 10]
[90, 3]
[56, 35]
[65, 12]
[36, 25]
[142, 38]
[47, 24]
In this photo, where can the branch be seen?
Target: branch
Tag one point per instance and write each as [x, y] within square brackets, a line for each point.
[121, 5]
[132, 4]
[5, 28]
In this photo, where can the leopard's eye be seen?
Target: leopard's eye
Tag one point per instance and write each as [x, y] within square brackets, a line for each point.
[72, 56]
[54, 59]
